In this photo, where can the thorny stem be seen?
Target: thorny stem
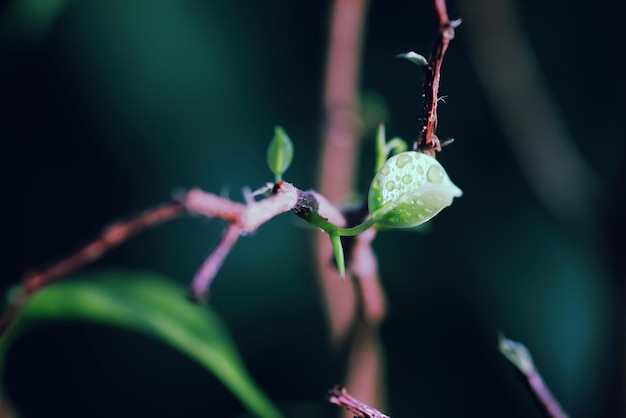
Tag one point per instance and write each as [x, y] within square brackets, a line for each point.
[428, 142]
[242, 219]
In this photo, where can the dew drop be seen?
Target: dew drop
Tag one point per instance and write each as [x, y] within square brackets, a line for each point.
[385, 170]
[420, 170]
[403, 160]
[404, 198]
[407, 179]
[390, 185]
[435, 174]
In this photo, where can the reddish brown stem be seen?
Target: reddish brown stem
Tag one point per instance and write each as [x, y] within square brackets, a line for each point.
[348, 309]
[111, 237]
[340, 147]
[241, 218]
[428, 141]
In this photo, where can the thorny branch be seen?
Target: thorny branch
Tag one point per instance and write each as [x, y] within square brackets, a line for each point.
[428, 142]
[355, 313]
[242, 219]
[341, 142]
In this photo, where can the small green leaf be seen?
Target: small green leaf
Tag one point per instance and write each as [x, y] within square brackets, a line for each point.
[335, 241]
[415, 58]
[151, 305]
[279, 153]
[384, 148]
[381, 147]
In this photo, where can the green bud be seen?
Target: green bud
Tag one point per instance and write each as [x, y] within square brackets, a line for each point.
[279, 153]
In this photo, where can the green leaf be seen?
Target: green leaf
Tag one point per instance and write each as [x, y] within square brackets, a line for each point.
[384, 148]
[31, 19]
[381, 147]
[415, 58]
[279, 153]
[151, 305]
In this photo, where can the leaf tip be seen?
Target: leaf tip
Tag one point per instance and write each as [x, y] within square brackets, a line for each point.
[415, 58]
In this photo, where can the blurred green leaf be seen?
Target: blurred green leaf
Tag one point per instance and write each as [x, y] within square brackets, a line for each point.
[31, 18]
[149, 304]
[279, 153]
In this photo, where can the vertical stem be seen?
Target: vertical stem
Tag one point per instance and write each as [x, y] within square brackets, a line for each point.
[428, 141]
[340, 146]
[337, 172]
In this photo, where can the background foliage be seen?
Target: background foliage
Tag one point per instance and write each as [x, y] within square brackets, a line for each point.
[114, 105]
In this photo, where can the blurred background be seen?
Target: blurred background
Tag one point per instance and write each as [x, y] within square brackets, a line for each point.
[109, 107]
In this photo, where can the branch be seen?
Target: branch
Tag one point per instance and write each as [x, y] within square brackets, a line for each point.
[242, 219]
[349, 307]
[207, 272]
[519, 356]
[110, 238]
[428, 142]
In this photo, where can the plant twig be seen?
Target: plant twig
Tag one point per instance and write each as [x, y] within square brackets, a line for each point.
[210, 267]
[110, 238]
[242, 219]
[518, 355]
[428, 142]
[339, 396]
[347, 306]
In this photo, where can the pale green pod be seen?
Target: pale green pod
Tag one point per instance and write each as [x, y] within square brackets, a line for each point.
[410, 189]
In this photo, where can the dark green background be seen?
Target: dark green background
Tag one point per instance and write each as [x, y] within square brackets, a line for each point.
[117, 104]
